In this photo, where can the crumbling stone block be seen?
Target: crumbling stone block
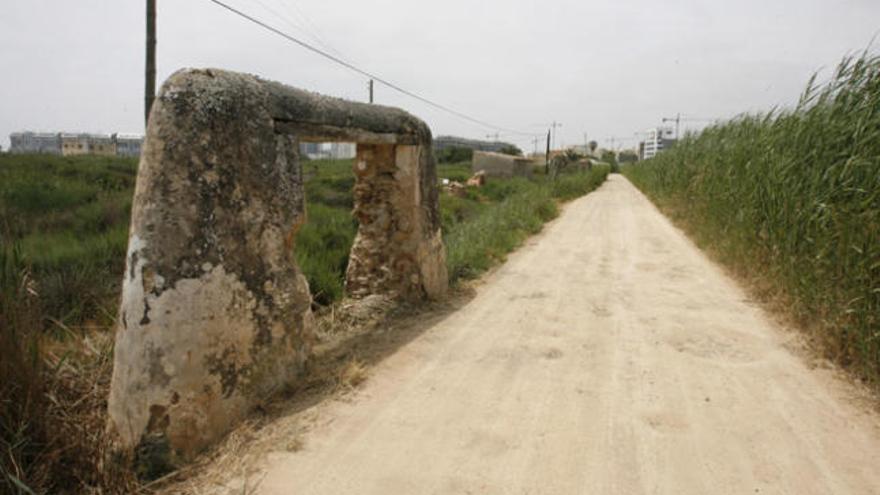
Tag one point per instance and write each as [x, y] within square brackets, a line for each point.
[215, 314]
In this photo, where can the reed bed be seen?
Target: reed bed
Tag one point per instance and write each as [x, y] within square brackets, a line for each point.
[790, 199]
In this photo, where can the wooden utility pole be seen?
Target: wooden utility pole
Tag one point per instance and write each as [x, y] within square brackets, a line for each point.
[371, 90]
[547, 156]
[150, 83]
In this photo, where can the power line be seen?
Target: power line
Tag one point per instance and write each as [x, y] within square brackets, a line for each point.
[354, 68]
[315, 30]
[312, 31]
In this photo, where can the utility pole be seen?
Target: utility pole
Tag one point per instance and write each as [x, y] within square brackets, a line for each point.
[370, 85]
[150, 83]
[535, 141]
[547, 156]
[554, 125]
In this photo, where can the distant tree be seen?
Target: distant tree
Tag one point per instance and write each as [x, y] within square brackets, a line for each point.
[593, 145]
[454, 154]
[572, 156]
[627, 156]
[610, 157]
[511, 150]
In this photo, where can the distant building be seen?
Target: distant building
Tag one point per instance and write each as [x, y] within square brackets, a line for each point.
[35, 142]
[69, 144]
[74, 144]
[328, 151]
[311, 150]
[128, 144]
[656, 140]
[443, 142]
[343, 151]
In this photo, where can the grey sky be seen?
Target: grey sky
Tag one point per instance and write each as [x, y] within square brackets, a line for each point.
[604, 67]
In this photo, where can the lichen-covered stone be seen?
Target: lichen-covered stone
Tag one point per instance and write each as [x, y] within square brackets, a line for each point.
[215, 314]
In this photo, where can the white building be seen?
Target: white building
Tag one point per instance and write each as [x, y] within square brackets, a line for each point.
[63, 143]
[35, 142]
[656, 140]
[331, 151]
[128, 144]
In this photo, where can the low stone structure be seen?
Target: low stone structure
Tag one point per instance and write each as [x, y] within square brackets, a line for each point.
[215, 314]
[501, 165]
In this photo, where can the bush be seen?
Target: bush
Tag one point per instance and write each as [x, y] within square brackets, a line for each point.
[791, 200]
[454, 154]
[511, 150]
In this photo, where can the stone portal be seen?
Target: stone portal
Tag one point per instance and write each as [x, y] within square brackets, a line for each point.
[215, 315]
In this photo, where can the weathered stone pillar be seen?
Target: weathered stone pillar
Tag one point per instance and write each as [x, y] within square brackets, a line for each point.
[398, 250]
[215, 315]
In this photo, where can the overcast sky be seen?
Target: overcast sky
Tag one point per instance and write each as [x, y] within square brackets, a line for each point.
[602, 67]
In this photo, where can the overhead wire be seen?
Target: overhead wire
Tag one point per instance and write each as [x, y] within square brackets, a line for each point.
[306, 26]
[315, 30]
[363, 72]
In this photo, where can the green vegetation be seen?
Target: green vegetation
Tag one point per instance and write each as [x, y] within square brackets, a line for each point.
[454, 154]
[70, 216]
[323, 243]
[511, 149]
[610, 158]
[481, 228]
[791, 200]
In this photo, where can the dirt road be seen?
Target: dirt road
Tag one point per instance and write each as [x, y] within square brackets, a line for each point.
[607, 356]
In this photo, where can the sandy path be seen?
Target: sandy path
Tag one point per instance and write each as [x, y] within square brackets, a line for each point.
[607, 356]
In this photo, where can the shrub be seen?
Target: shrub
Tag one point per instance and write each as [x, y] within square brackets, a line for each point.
[454, 154]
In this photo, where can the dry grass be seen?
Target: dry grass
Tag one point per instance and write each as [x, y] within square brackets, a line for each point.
[53, 394]
[353, 374]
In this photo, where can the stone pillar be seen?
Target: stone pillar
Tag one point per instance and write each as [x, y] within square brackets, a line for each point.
[398, 250]
[215, 315]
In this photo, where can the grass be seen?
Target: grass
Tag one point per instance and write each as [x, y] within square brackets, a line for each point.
[324, 242]
[791, 201]
[52, 396]
[480, 229]
[70, 216]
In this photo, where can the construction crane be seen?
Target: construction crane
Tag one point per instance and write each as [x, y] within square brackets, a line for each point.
[679, 118]
[618, 139]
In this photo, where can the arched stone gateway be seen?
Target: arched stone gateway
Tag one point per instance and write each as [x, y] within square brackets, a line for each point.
[215, 314]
